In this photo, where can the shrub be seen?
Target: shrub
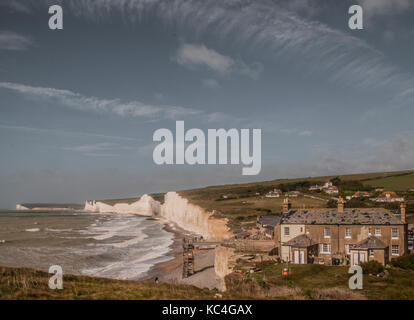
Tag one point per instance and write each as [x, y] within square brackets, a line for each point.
[405, 262]
[372, 267]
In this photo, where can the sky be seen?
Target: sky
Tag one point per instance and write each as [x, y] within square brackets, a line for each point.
[79, 106]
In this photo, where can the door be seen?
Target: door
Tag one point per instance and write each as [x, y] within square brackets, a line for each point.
[302, 257]
[296, 254]
[355, 262]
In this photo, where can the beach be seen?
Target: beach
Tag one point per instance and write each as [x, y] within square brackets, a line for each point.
[171, 271]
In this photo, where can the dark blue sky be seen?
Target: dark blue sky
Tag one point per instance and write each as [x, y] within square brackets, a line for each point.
[78, 107]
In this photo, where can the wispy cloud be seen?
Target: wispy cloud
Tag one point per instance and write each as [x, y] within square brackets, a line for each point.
[93, 104]
[66, 133]
[388, 155]
[199, 56]
[274, 28]
[298, 132]
[271, 27]
[385, 7]
[210, 83]
[14, 41]
[15, 6]
[102, 149]
[92, 147]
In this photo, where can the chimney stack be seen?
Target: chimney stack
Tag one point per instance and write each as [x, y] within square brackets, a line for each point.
[403, 215]
[286, 205]
[341, 203]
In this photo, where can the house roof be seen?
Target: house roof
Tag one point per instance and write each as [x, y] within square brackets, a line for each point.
[302, 241]
[269, 220]
[361, 193]
[365, 216]
[391, 194]
[370, 243]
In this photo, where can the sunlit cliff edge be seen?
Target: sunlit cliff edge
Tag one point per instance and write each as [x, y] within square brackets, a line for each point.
[175, 209]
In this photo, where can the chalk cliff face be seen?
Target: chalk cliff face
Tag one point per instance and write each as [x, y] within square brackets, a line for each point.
[193, 218]
[175, 209]
[20, 207]
[145, 206]
[224, 262]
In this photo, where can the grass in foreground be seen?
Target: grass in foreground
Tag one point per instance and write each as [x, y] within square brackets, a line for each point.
[318, 282]
[23, 283]
[304, 282]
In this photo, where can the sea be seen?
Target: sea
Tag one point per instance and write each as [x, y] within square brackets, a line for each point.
[118, 246]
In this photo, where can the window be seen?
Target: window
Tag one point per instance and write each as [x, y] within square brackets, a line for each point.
[377, 232]
[348, 233]
[301, 229]
[307, 230]
[371, 253]
[325, 248]
[327, 233]
[394, 233]
[369, 231]
[287, 231]
[395, 250]
[347, 246]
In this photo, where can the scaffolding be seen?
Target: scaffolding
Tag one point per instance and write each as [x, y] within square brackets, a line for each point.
[188, 258]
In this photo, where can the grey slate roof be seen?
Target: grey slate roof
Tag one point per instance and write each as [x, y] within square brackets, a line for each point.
[370, 243]
[268, 220]
[366, 216]
[302, 241]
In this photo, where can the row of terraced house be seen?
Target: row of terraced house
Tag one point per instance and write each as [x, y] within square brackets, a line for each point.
[340, 235]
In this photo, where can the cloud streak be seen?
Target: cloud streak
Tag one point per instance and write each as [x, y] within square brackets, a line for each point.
[14, 41]
[195, 56]
[386, 7]
[268, 26]
[93, 104]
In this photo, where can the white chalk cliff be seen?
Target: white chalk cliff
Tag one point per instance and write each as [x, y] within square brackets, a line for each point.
[175, 209]
[145, 206]
[194, 218]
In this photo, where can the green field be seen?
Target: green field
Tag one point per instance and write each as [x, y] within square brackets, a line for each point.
[396, 183]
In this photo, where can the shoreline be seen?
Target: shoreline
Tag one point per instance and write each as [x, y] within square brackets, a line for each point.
[171, 271]
[175, 253]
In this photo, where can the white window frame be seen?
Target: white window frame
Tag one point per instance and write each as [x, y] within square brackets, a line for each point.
[328, 246]
[287, 231]
[371, 253]
[327, 235]
[347, 249]
[398, 250]
[377, 234]
[348, 236]
[392, 233]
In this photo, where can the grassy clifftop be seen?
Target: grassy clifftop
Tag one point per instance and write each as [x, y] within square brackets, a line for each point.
[242, 203]
[23, 283]
[304, 282]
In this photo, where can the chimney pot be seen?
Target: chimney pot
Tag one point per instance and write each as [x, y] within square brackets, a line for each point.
[403, 214]
[341, 203]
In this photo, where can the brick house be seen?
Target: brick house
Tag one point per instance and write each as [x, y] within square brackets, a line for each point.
[388, 196]
[346, 236]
